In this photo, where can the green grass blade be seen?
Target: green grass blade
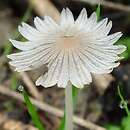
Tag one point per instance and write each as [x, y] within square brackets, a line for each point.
[27, 14]
[32, 111]
[62, 124]
[123, 102]
[8, 47]
[98, 11]
[75, 93]
[14, 82]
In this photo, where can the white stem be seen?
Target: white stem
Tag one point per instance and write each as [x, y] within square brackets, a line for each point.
[68, 107]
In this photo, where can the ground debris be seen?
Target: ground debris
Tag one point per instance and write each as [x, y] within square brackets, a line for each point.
[9, 124]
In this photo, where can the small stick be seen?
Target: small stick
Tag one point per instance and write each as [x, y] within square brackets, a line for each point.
[50, 109]
[109, 4]
[30, 85]
[45, 7]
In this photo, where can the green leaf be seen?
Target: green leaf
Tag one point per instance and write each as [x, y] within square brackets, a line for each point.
[32, 111]
[126, 42]
[113, 127]
[126, 123]
[98, 11]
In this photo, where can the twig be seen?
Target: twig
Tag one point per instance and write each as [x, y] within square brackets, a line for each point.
[45, 7]
[109, 4]
[50, 109]
[30, 85]
[102, 81]
[26, 79]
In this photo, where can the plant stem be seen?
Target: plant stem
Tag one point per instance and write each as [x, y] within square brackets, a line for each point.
[124, 102]
[127, 111]
[68, 107]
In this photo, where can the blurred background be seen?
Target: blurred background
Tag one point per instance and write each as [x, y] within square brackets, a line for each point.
[98, 107]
